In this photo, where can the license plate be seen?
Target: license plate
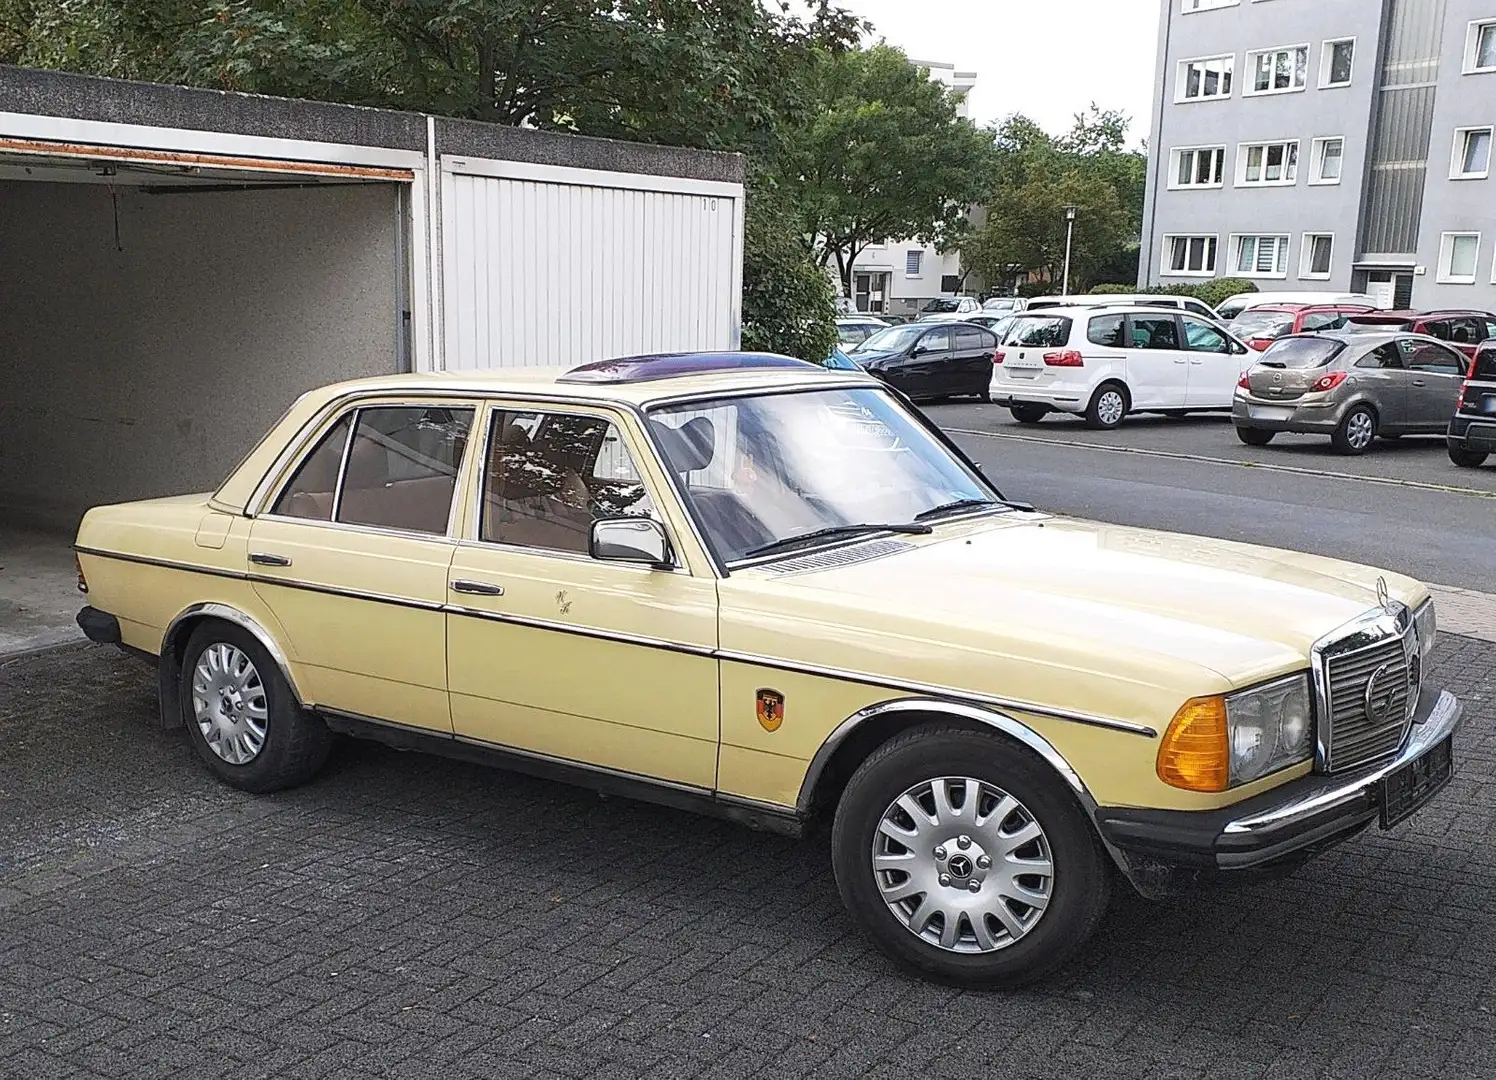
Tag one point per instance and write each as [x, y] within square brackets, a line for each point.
[1405, 790]
[1024, 373]
[1269, 412]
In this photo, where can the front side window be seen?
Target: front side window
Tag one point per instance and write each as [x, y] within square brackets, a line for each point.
[1278, 71]
[936, 341]
[1435, 359]
[1337, 63]
[1153, 332]
[1202, 337]
[550, 475]
[1262, 256]
[763, 474]
[1205, 79]
[1319, 250]
[1190, 256]
[891, 339]
[402, 467]
[1269, 164]
[1458, 254]
[1329, 160]
[1200, 167]
[1472, 154]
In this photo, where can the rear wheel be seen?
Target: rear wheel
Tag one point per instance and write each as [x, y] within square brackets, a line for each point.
[1254, 436]
[1108, 406]
[1467, 459]
[965, 858]
[1356, 431]
[1028, 414]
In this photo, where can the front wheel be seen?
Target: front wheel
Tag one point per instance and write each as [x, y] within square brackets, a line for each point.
[1467, 459]
[1108, 406]
[966, 859]
[1254, 436]
[1356, 431]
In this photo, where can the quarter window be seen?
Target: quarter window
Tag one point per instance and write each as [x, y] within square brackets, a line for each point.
[402, 467]
[1190, 256]
[1106, 330]
[1329, 160]
[1337, 63]
[1269, 164]
[1279, 71]
[309, 495]
[1472, 154]
[1199, 167]
[1262, 256]
[1206, 79]
[549, 476]
[1458, 254]
[1386, 357]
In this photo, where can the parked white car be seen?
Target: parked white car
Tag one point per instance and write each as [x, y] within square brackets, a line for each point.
[1105, 362]
[855, 329]
[1179, 303]
[949, 309]
[1004, 305]
[1233, 306]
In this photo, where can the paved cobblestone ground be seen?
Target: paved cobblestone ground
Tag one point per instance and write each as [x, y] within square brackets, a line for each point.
[412, 917]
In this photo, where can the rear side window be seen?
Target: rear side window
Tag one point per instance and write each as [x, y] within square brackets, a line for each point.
[1040, 331]
[1153, 332]
[309, 495]
[970, 338]
[402, 467]
[1322, 320]
[1386, 357]
[1107, 330]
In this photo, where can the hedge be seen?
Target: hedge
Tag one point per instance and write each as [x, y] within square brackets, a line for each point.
[1211, 292]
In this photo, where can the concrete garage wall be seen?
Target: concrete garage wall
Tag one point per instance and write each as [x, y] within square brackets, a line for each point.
[149, 365]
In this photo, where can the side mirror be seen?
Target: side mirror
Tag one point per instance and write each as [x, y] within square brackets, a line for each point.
[630, 540]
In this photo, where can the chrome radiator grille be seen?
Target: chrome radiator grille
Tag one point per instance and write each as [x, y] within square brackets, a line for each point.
[1368, 694]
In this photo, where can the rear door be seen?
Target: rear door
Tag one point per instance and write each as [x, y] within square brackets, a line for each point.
[1215, 364]
[1437, 373]
[972, 369]
[1157, 364]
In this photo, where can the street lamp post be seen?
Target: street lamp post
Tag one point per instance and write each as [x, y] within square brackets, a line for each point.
[1070, 212]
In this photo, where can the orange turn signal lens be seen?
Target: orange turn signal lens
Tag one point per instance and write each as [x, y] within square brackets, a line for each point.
[1195, 753]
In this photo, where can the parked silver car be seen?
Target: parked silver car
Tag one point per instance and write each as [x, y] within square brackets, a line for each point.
[1351, 387]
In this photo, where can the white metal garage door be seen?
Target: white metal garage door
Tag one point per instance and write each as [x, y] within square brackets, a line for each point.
[543, 265]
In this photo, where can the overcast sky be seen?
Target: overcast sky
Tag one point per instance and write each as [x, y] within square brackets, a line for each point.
[1048, 59]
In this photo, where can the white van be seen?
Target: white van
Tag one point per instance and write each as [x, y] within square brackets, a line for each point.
[1233, 306]
[1181, 303]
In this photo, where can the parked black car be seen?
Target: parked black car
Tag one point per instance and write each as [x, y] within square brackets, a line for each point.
[1472, 430]
[930, 361]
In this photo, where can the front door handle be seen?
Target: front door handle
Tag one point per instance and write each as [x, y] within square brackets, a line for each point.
[265, 558]
[1419, 382]
[477, 588]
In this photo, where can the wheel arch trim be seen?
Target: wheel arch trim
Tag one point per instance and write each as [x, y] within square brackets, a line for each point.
[235, 617]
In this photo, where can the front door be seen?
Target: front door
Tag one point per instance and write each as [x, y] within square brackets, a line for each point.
[553, 652]
[928, 370]
[1157, 368]
[352, 559]
[1215, 364]
[1438, 377]
[1390, 384]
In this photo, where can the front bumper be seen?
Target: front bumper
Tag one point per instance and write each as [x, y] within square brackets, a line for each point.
[1265, 415]
[1279, 826]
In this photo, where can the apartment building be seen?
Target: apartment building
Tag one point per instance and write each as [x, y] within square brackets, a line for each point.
[1340, 145]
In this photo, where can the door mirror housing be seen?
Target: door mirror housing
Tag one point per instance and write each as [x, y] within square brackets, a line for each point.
[631, 540]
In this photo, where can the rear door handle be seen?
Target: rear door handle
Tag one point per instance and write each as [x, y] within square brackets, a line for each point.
[265, 558]
[477, 588]
[1419, 382]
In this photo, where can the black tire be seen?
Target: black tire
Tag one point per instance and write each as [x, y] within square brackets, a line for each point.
[296, 742]
[1254, 436]
[1467, 459]
[1345, 441]
[1081, 880]
[1027, 413]
[1096, 414]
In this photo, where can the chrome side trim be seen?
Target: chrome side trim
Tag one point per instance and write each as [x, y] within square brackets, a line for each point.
[1442, 721]
[238, 618]
[987, 717]
[947, 693]
[351, 594]
[167, 564]
[583, 631]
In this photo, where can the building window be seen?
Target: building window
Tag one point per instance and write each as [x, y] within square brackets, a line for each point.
[1319, 252]
[1262, 256]
[1458, 254]
[1268, 164]
[1472, 154]
[913, 260]
[1205, 5]
[1190, 256]
[1480, 47]
[1204, 79]
[1199, 167]
[1329, 159]
[1336, 62]
[1279, 71]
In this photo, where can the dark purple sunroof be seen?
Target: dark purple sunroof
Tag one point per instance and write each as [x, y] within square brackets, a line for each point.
[670, 365]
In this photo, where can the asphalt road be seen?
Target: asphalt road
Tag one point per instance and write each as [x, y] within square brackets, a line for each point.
[1403, 505]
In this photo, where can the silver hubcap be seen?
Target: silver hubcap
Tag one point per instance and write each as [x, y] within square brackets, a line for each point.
[1358, 430]
[228, 702]
[963, 865]
[1110, 407]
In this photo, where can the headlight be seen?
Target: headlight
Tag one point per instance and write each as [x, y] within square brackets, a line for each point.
[1426, 626]
[1224, 741]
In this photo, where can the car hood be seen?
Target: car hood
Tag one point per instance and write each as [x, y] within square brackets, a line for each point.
[1100, 618]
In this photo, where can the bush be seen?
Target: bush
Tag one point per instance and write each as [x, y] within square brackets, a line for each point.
[1111, 289]
[1210, 292]
[788, 301]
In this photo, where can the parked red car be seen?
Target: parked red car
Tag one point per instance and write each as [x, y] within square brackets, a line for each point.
[1465, 329]
[1259, 327]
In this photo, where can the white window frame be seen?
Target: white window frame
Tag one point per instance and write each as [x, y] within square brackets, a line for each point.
[1472, 45]
[1248, 88]
[1446, 259]
[1280, 255]
[1327, 54]
[1181, 79]
[1306, 257]
[1190, 7]
[916, 258]
[1317, 159]
[1244, 149]
[1457, 153]
[1166, 261]
[1179, 151]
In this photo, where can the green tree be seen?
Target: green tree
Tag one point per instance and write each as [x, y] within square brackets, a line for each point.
[883, 155]
[788, 302]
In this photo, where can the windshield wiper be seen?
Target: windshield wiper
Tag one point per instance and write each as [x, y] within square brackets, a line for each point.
[834, 531]
[952, 507]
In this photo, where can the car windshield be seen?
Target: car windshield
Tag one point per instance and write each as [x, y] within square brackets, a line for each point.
[1039, 331]
[892, 339]
[1261, 324]
[1302, 352]
[761, 472]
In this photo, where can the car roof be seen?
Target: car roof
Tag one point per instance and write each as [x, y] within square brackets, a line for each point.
[1364, 339]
